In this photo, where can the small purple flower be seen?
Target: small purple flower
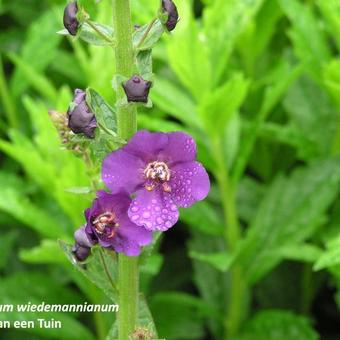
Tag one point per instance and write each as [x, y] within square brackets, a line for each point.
[80, 117]
[160, 168]
[71, 22]
[108, 222]
[82, 247]
[137, 89]
[169, 8]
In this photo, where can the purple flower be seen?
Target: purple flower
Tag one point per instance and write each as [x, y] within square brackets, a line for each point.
[80, 117]
[160, 168]
[108, 222]
[71, 22]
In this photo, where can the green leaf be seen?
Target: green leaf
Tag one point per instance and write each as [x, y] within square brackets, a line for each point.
[145, 37]
[38, 81]
[203, 217]
[47, 252]
[219, 106]
[144, 64]
[300, 252]
[330, 257]
[89, 35]
[188, 57]
[100, 268]
[291, 211]
[172, 100]
[183, 316]
[221, 261]
[105, 114]
[314, 118]
[224, 22]
[38, 49]
[7, 241]
[278, 325]
[314, 52]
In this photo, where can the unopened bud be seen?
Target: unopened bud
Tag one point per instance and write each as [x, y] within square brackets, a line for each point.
[137, 89]
[83, 244]
[71, 22]
[169, 8]
[80, 117]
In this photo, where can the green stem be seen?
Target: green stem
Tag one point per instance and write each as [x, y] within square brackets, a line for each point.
[127, 125]
[232, 236]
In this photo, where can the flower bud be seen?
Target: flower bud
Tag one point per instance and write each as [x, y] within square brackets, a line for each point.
[83, 244]
[137, 89]
[169, 8]
[71, 22]
[80, 117]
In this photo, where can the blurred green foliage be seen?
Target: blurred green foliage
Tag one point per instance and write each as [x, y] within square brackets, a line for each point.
[257, 83]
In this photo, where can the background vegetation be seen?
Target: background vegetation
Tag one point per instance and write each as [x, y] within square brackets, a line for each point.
[257, 82]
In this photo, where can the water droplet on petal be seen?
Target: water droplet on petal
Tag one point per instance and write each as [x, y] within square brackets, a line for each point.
[164, 211]
[159, 220]
[134, 209]
[173, 207]
[168, 224]
[146, 214]
[135, 217]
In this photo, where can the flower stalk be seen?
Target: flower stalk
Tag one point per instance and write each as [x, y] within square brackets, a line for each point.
[127, 126]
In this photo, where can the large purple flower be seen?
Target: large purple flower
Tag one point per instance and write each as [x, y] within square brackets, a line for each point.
[160, 168]
[108, 222]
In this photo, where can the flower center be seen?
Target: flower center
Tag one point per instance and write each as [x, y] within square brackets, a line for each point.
[157, 172]
[105, 224]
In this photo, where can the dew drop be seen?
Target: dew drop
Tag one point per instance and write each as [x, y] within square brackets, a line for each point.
[157, 208]
[159, 220]
[164, 211]
[168, 224]
[173, 207]
[135, 217]
[146, 214]
[134, 209]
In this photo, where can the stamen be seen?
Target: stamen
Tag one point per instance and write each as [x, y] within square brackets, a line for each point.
[157, 171]
[105, 224]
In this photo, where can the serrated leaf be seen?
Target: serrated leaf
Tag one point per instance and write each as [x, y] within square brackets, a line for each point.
[278, 325]
[291, 211]
[100, 268]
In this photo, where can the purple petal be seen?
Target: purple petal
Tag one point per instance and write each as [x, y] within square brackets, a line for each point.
[129, 248]
[181, 148]
[146, 145]
[189, 183]
[121, 170]
[153, 210]
[134, 233]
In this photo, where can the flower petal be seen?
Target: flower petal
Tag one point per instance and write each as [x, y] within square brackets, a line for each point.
[146, 145]
[181, 148]
[189, 183]
[134, 234]
[121, 170]
[154, 210]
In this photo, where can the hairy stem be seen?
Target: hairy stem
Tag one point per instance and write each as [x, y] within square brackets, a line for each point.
[127, 126]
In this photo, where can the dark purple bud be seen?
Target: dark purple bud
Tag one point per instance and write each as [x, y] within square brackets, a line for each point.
[170, 9]
[71, 22]
[83, 244]
[80, 117]
[137, 89]
[81, 253]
